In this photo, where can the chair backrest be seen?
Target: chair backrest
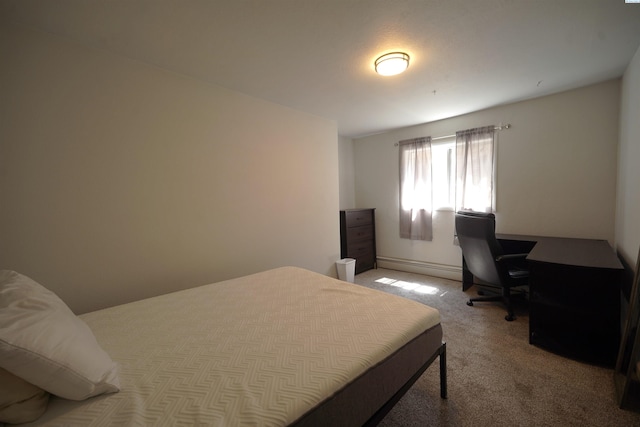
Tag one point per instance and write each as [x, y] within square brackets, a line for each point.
[477, 236]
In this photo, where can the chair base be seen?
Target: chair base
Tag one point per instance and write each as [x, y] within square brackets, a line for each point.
[505, 298]
[509, 317]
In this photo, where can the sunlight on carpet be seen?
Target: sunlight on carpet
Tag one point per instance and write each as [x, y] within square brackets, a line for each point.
[411, 286]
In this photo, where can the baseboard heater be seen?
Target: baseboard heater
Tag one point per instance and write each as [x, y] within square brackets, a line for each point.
[444, 271]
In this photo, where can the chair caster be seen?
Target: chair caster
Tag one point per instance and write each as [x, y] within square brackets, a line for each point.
[470, 303]
[509, 318]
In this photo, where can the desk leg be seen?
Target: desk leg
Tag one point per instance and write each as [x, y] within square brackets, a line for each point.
[467, 277]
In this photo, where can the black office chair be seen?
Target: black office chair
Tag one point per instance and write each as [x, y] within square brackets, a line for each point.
[485, 257]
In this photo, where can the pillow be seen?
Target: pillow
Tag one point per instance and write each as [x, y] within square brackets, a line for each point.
[20, 402]
[45, 344]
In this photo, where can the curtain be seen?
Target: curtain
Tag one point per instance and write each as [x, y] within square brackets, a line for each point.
[475, 172]
[415, 189]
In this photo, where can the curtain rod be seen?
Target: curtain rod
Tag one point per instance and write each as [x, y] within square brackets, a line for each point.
[507, 126]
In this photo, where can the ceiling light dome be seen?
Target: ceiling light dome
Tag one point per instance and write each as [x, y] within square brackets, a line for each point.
[392, 63]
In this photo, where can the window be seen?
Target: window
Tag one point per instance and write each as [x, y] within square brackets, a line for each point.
[415, 195]
[451, 173]
[443, 157]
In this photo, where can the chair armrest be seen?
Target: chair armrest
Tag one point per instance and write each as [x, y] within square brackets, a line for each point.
[510, 256]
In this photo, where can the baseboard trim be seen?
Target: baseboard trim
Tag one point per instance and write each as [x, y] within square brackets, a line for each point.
[444, 271]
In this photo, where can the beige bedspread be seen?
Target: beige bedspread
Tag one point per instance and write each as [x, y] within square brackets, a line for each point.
[258, 350]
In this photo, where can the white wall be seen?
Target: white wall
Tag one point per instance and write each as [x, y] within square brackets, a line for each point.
[628, 202]
[347, 173]
[119, 180]
[556, 175]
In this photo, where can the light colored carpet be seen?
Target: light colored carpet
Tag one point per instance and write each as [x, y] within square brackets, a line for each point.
[495, 377]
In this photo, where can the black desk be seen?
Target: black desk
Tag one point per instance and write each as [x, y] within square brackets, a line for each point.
[574, 295]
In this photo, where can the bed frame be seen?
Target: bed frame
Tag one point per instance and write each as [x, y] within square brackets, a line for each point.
[384, 410]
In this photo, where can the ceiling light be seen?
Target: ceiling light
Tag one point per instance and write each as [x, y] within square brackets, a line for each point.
[392, 63]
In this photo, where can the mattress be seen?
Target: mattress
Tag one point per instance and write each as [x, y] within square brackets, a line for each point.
[269, 349]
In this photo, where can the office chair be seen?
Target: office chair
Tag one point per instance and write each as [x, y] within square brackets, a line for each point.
[485, 257]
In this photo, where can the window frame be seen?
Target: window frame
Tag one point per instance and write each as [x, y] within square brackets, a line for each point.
[446, 176]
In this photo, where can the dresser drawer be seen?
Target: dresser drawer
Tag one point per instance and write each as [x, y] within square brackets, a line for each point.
[359, 217]
[364, 232]
[359, 249]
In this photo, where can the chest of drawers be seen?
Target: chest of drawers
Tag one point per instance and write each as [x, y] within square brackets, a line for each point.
[358, 237]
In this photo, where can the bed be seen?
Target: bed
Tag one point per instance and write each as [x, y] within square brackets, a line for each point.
[281, 347]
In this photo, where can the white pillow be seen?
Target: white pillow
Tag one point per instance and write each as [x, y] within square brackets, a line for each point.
[45, 344]
[20, 402]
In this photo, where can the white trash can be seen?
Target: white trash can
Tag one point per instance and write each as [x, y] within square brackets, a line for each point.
[346, 269]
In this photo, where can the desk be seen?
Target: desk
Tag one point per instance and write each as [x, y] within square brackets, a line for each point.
[574, 295]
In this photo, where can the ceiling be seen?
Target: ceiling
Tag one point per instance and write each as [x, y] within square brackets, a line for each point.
[317, 55]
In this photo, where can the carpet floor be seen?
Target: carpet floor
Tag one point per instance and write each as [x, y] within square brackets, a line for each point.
[495, 377]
